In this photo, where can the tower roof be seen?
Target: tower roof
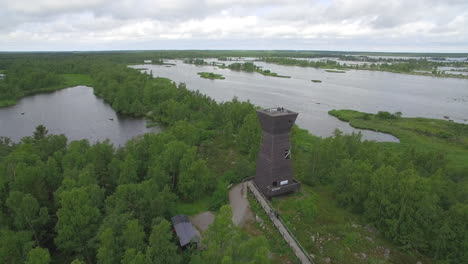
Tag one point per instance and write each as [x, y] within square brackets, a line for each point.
[276, 111]
[276, 120]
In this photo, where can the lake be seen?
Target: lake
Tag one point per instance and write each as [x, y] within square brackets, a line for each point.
[368, 91]
[75, 112]
[79, 114]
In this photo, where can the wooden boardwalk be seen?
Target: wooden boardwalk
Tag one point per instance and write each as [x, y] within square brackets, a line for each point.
[288, 237]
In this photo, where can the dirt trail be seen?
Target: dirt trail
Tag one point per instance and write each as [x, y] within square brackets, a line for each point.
[241, 212]
[203, 220]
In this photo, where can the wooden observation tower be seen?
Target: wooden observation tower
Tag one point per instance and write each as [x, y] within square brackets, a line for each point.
[274, 175]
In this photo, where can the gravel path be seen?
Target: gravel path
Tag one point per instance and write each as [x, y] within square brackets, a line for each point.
[202, 220]
[241, 212]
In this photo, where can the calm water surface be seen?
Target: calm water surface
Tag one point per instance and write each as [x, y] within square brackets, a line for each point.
[78, 114]
[75, 112]
[368, 91]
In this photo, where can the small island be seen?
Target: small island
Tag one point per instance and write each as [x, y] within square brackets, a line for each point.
[269, 73]
[335, 71]
[250, 67]
[316, 81]
[211, 76]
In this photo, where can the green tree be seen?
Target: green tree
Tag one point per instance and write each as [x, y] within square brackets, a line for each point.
[41, 132]
[137, 108]
[77, 261]
[250, 135]
[455, 240]
[76, 156]
[143, 201]
[114, 174]
[227, 244]
[352, 179]
[161, 248]
[132, 256]
[128, 170]
[24, 172]
[102, 154]
[220, 195]
[78, 219]
[108, 250]
[186, 132]
[14, 246]
[134, 236]
[53, 176]
[38, 256]
[27, 215]
[87, 176]
[171, 158]
[193, 180]
[50, 145]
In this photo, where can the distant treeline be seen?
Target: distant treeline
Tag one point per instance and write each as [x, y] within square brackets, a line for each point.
[139, 56]
[410, 66]
[34, 74]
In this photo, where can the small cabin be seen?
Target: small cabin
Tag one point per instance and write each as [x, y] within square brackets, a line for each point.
[185, 231]
[2, 76]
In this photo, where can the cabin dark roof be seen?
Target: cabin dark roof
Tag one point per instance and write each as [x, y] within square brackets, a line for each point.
[184, 230]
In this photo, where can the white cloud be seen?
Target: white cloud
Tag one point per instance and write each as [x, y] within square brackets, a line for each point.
[399, 25]
[41, 7]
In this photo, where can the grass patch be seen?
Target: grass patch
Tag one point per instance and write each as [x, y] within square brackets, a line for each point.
[335, 71]
[211, 75]
[77, 79]
[316, 81]
[327, 231]
[192, 207]
[421, 133]
[150, 124]
[282, 253]
[6, 103]
[219, 156]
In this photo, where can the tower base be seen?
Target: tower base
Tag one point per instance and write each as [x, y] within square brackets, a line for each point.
[271, 191]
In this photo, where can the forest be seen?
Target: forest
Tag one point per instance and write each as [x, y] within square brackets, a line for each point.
[71, 201]
[76, 202]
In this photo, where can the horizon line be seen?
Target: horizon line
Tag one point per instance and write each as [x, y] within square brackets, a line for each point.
[245, 50]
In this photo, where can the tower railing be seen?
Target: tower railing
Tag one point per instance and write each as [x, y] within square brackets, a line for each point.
[277, 109]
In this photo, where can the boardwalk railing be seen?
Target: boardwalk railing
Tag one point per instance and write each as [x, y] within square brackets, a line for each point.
[288, 236]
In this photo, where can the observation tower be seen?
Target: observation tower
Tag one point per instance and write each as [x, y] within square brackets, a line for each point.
[274, 175]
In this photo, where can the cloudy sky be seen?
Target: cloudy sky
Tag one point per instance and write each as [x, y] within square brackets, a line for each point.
[360, 25]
